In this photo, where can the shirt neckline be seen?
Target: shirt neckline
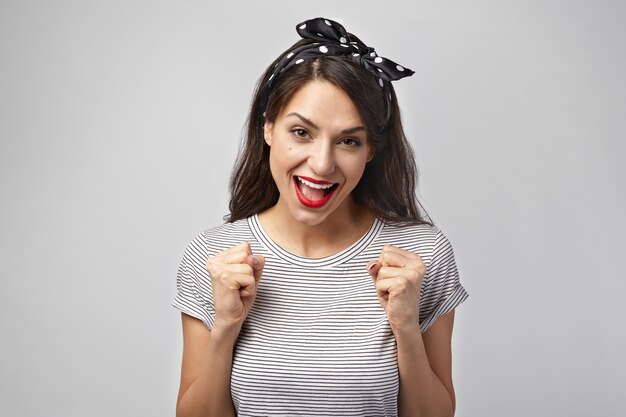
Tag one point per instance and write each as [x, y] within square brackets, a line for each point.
[332, 260]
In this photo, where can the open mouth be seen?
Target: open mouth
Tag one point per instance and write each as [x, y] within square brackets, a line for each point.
[313, 193]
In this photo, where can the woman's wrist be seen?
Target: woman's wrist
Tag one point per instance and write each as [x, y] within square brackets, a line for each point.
[225, 332]
[408, 330]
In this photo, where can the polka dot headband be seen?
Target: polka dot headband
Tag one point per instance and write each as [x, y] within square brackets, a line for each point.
[331, 39]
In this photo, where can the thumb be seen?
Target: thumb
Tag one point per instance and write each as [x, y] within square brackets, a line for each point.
[257, 262]
[373, 267]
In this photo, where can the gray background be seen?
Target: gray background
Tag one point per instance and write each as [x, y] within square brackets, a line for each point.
[119, 124]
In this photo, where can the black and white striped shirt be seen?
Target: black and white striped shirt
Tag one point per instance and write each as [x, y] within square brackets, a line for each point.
[316, 341]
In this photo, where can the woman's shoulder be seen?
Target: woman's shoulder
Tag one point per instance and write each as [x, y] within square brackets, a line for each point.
[227, 228]
[415, 230]
[423, 238]
[219, 237]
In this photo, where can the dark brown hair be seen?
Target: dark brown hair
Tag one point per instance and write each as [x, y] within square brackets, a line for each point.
[388, 184]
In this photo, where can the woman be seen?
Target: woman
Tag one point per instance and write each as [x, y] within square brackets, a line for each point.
[326, 293]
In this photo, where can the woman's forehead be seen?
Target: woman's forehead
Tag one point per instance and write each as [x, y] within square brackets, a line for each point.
[321, 101]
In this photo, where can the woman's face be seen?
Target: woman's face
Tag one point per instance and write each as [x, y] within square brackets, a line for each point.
[318, 151]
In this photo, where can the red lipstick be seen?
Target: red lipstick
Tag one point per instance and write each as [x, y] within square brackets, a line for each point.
[313, 203]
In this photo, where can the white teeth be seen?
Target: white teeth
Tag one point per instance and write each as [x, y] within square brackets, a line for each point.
[313, 185]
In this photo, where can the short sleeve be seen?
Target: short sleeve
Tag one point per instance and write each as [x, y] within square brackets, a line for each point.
[441, 290]
[193, 284]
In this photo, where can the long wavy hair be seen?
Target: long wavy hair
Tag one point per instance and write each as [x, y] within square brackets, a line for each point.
[388, 184]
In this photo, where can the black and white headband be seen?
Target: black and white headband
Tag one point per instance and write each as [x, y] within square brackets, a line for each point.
[331, 39]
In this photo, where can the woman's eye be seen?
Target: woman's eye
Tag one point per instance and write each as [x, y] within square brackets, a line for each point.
[299, 132]
[350, 142]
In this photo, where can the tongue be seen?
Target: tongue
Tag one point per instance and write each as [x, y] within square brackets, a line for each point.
[312, 194]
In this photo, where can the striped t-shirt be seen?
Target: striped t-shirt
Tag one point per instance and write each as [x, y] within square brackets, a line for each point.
[316, 341]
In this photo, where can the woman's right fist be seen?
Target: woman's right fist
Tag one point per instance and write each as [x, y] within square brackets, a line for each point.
[235, 275]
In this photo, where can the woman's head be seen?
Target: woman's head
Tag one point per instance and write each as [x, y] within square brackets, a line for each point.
[319, 149]
[387, 186]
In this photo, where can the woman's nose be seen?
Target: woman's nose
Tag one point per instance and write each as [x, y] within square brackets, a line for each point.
[322, 159]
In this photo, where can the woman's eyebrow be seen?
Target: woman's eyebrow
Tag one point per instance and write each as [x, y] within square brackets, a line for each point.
[314, 126]
[353, 130]
[304, 120]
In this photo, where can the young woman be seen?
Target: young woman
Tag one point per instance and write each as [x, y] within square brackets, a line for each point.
[326, 293]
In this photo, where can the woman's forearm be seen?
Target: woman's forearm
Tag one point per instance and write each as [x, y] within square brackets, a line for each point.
[209, 395]
[421, 391]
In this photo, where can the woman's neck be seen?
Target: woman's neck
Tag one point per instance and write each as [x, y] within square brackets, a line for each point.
[334, 234]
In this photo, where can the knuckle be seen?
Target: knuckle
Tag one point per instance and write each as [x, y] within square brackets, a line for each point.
[242, 255]
[223, 277]
[415, 275]
[410, 278]
[218, 277]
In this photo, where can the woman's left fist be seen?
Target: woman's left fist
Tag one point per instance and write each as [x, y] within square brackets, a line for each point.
[398, 276]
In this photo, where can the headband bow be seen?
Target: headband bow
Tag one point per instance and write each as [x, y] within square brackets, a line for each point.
[331, 39]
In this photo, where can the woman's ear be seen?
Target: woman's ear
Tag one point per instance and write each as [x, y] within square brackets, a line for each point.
[371, 155]
[267, 132]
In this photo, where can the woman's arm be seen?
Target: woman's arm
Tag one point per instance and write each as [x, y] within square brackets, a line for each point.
[205, 375]
[208, 355]
[424, 360]
[425, 367]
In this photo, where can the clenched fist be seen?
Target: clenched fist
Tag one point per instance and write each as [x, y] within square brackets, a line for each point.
[235, 275]
[398, 276]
